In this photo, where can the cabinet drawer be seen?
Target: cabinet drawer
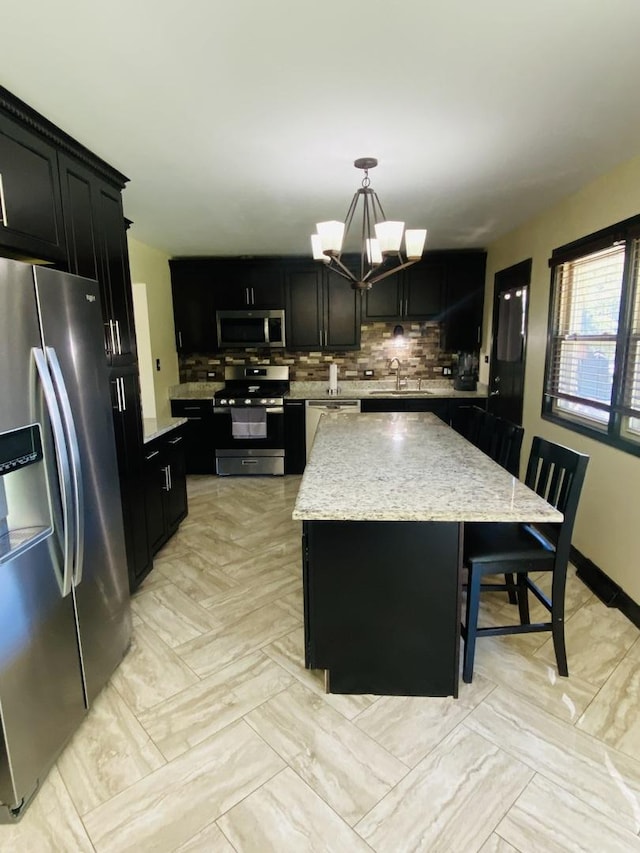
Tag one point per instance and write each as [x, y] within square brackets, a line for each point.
[192, 408]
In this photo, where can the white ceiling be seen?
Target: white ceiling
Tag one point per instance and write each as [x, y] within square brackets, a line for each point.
[238, 121]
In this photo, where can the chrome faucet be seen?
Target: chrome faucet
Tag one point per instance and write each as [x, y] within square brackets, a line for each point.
[398, 367]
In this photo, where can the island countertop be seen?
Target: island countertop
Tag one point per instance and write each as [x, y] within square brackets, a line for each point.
[406, 466]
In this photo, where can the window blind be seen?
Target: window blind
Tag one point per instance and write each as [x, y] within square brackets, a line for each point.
[584, 332]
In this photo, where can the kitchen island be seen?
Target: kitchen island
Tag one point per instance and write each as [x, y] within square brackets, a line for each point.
[383, 501]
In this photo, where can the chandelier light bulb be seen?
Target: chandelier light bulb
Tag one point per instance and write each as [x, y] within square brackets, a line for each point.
[389, 236]
[316, 248]
[331, 235]
[414, 239]
[374, 255]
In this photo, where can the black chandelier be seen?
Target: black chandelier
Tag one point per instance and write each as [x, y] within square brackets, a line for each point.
[380, 254]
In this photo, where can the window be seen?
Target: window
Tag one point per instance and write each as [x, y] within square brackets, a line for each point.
[592, 374]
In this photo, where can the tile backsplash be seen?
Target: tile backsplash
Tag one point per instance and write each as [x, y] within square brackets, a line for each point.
[418, 351]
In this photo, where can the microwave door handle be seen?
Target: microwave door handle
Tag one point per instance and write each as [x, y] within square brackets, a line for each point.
[62, 462]
[74, 448]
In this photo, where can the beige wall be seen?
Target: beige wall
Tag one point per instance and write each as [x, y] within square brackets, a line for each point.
[608, 524]
[150, 266]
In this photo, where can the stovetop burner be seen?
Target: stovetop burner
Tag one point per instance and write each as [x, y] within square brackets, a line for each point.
[262, 385]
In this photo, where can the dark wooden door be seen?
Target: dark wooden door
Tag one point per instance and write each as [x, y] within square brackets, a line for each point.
[508, 351]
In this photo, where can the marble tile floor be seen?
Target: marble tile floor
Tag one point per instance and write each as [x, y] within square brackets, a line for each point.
[212, 737]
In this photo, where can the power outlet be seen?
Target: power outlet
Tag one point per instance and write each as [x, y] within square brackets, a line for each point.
[446, 371]
[368, 374]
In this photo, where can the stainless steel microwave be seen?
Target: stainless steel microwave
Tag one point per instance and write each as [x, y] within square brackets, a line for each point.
[250, 328]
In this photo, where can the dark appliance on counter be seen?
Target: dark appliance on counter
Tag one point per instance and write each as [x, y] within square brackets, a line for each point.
[250, 328]
[249, 420]
[65, 620]
[465, 372]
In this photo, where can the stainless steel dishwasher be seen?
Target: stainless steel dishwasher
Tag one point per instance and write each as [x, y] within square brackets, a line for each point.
[314, 410]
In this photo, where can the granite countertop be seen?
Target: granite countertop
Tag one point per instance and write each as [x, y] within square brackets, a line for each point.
[154, 427]
[353, 390]
[408, 467]
[359, 389]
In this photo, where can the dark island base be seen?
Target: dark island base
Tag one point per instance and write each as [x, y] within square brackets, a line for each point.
[381, 605]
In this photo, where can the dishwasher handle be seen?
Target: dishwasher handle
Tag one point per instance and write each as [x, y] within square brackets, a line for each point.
[335, 405]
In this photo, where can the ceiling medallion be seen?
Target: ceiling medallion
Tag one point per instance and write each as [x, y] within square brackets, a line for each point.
[380, 254]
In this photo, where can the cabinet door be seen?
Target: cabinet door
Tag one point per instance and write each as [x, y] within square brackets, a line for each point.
[423, 286]
[248, 283]
[78, 188]
[383, 301]
[176, 497]
[127, 420]
[115, 269]
[341, 314]
[199, 447]
[192, 288]
[30, 207]
[304, 307]
[294, 437]
[155, 485]
[464, 302]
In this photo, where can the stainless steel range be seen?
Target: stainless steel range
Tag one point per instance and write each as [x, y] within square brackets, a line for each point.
[249, 420]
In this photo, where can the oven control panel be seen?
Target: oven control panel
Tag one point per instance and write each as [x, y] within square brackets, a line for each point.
[248, 401]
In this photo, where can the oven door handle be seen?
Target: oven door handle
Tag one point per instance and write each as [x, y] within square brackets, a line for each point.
[270, 410]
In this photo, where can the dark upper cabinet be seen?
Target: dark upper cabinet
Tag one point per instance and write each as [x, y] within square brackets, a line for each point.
[248, 283]
[464, 300]
[30, 207]
[194, 313]
[416, 293]
[97, 248]
[304, 306]
[323, 311]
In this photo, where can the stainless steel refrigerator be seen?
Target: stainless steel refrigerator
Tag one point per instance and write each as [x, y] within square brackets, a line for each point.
[65, 620]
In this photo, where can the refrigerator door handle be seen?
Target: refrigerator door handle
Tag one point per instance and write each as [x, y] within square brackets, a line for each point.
[76, 466]
[64, 469]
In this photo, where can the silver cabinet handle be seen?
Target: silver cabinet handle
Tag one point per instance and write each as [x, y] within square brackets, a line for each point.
[117, 325]
[64, 468]
[3, 206]
[170, 480]
[121, 398]
[152, 454]
[253, 297]
[479, 331]
[246, 296]
[118, 406]
[111, 347]
[165, 471]
[180, 339]
[175, 440]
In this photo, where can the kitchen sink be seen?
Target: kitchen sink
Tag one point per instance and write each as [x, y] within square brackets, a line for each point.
[403, 392]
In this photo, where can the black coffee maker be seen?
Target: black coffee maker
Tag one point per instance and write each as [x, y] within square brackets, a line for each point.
[465, 371]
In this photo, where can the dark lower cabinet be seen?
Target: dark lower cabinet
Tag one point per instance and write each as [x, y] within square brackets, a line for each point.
[440, 406]
[165, 487]
[294, 437]
[381, 604]
[127, 421]
[199, 446]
